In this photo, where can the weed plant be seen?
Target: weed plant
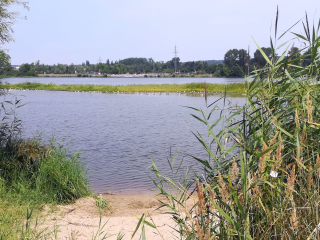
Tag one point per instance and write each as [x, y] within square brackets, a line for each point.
[262, 176]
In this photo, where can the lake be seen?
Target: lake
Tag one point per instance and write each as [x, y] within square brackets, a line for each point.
[122, 81]
[118, 134]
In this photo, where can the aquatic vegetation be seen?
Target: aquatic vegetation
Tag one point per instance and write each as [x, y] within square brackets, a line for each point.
[190, 87]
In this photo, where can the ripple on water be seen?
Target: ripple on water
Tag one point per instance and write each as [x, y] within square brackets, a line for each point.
[117, 134]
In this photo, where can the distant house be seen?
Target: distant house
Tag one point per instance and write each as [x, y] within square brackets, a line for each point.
[15, 68]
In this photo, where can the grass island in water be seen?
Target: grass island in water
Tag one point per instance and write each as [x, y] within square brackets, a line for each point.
[237, 88]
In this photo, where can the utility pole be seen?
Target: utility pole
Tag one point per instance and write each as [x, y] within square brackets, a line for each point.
[175, 58]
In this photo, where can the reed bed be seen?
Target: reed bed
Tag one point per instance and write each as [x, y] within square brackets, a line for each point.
[189, 88]
[262, 176]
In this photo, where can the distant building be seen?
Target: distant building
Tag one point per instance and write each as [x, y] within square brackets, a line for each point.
[15, 68]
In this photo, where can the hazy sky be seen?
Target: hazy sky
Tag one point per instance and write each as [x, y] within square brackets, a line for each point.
[72, 31]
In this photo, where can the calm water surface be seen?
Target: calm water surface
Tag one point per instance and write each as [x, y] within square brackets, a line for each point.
[117, 134]
[122, 81]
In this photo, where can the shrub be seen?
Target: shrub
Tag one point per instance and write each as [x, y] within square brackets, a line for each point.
[37, 173]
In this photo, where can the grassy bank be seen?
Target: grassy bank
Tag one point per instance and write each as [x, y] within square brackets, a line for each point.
[33, 175]
[189, 87]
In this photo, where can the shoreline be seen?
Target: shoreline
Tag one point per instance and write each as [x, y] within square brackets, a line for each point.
[120, 76]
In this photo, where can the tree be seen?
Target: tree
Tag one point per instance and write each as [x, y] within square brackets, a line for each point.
[7, 19]
[87, 63]
[234, 58]
[5, 65]
[199, 66]
[294, 53]
[24, 68]
[259, 60]
[71, 69]
[306, 58]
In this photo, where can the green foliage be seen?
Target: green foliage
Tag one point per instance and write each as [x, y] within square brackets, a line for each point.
[101, 203]
[259, 59]
[9, 18]
[189, 87]
[5, 65]
[262, 174]
[37, 174]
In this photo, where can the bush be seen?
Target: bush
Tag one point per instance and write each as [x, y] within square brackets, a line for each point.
[79, 75]
[37, 173]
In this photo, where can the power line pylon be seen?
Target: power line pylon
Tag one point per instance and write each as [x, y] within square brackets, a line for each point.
[175, 59]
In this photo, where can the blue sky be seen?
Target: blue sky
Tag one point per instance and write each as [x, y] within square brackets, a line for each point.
[72, 31]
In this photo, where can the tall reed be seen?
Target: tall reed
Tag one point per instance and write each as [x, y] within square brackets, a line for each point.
[262, 173]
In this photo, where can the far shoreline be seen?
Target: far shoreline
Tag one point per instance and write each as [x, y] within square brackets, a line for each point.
[145, 75]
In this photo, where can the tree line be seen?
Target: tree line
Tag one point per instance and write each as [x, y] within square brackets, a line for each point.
[233, 65]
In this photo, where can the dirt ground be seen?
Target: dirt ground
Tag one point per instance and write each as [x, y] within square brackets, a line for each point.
[81, 219]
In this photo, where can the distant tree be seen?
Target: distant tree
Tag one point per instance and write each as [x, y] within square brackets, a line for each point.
[294, 53]
[259, 60]
[71, 69]
[87, 63]
[5, 65]
[199, 66]
[234, 58]
[24, 68]
[306, 60]
[27, 70]
[211, 68]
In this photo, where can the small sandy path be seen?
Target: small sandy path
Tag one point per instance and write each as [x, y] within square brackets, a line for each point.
[80, 220]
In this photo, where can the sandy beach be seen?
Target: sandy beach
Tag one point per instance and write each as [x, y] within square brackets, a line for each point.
[81, 219]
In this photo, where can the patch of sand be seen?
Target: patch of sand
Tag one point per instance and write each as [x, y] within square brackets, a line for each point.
[81, 219]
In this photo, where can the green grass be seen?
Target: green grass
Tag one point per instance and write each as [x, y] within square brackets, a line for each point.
[33, 175]
[189, 87]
